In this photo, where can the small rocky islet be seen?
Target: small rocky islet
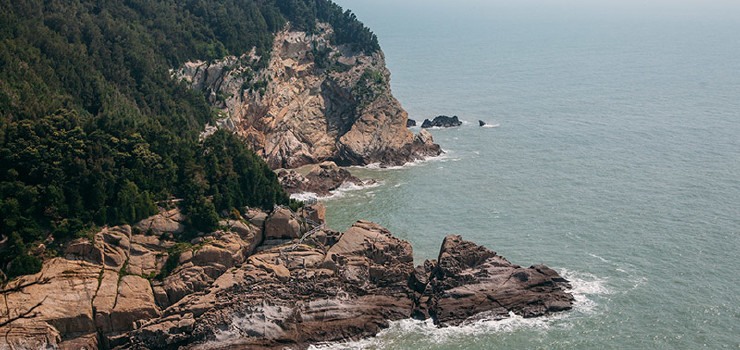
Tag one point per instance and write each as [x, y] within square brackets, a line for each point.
[267, 279]
[441, 121]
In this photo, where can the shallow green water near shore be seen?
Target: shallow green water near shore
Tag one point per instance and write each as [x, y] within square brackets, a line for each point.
[616, 161]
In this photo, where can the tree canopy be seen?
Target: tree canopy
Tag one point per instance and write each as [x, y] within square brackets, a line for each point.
[94, 130]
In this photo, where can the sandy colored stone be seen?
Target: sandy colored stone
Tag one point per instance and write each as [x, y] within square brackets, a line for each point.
[135, 302]
[307, 114]
[281, 224]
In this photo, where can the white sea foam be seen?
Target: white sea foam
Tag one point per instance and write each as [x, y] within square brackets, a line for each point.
[496, 125]
[350, 187]
[585, 285]
[376, 166]
[305, 196]
[338, 193]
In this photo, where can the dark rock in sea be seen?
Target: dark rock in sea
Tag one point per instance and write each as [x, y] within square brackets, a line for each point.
[410, 123]
[469, 279]
[321, 180]
[481, 123]
[442, 121]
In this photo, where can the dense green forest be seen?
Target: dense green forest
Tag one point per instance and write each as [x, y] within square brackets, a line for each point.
[94, 130]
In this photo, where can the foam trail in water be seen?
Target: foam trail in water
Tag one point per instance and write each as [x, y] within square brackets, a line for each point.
[338, 193]
[496, 125]
[350, 187]
[376, 166]
[584, 286]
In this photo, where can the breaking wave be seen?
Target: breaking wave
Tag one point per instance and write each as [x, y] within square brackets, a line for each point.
[409, 331]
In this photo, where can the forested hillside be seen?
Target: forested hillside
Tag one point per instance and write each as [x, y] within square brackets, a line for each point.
[94, 130]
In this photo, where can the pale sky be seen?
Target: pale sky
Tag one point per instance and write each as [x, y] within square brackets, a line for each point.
[635, 9]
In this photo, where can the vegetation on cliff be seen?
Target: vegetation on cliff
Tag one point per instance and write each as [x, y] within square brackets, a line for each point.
[94, 129]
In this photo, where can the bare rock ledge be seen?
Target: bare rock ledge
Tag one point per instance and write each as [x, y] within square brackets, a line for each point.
[255, 285]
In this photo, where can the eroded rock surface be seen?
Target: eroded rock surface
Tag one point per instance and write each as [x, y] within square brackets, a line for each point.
[321, 180]
[101, 287]
[305, 108]
[255, 284]
[347, 286]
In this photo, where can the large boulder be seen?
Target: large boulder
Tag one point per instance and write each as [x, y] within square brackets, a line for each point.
[166, 222]
[282, 225]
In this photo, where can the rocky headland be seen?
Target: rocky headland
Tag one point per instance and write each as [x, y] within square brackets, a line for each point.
[441, 121]
[274, 279]
[314, 101]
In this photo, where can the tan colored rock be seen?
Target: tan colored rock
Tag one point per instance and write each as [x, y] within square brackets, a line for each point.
[315, 212]
[281, 225]
[256, 217]
[110, 246]
[135, 302]
[249, 237]
[105, 300]
[145, 261]
[185, 280]
[82, 342]
[29, 334]
[165, 222]
[66, 294]
[308, 114]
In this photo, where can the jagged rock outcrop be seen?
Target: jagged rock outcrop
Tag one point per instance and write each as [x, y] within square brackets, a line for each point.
[314, 101]
[254, 284]
[410, 123]
[346, 286]
[101, 287]
[321, 180]
[468, 280]
[441, 121]
[481, 123]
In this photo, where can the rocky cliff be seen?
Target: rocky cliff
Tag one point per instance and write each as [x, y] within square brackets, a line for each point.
[266, 280]
[311, 101]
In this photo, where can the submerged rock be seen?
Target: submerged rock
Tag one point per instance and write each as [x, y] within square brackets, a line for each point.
[441, 121]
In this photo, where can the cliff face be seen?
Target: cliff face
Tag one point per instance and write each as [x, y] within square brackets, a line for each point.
[312, 102]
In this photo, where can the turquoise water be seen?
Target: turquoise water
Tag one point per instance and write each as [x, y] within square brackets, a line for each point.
[616, 161]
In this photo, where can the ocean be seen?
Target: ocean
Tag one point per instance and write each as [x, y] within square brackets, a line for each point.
[612, 155]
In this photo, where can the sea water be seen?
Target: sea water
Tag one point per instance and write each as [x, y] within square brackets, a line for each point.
[615, 160]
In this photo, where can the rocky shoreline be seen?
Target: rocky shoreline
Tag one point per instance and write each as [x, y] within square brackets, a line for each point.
[320, 181]
[264, 280]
